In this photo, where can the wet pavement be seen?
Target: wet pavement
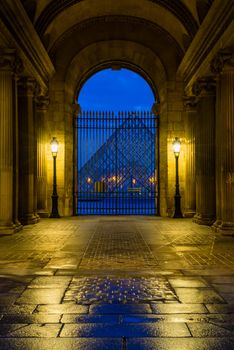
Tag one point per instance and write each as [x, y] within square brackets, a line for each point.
[116, 283]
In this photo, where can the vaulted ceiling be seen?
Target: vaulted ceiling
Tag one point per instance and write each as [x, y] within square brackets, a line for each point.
[164, 26]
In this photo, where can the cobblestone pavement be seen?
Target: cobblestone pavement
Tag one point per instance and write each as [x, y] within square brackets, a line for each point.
[116, 283]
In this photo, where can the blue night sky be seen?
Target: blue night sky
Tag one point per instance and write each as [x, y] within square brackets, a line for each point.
[116, 90]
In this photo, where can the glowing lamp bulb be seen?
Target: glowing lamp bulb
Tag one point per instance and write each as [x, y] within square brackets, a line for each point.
[54, 146]
[176, 146]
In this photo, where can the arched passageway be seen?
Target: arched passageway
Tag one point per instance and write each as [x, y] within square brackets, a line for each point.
[116, 134]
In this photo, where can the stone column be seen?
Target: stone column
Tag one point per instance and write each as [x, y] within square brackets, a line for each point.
[27, 155]
[223, 66]
[205, 152]
[42, 103]
[190, 184]
[7, 66]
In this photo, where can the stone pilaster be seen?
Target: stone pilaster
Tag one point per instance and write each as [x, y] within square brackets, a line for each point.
[27, 154]
[205, 152]
[42, 103]
[190, 184]
[7, 66]
[223, 66]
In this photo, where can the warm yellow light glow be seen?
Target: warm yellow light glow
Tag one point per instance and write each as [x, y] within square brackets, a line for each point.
[89, 180]
[151, 180]
[134, 181]
[54, 146]
[176, 146]
[114, 178]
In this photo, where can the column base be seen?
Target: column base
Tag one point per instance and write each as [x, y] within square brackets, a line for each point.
[18, 225]
[28, 219]
[216, 225]
[7, 229]
[37, 216]
[226, 228]
[203, 220]
[189, 213]
[43, 213]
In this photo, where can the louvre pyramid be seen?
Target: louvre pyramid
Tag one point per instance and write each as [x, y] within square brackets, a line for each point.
[127, 156]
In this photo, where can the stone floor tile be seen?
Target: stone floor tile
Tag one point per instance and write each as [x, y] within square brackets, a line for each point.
[63, 309]
[71, 318]
[160, 329]
[54, 282]
[207, 330]
[189, 282]
[30, 318]
[220, 309]
[178, 308]
[31, 330]
[120, 309]
[198, 295]
[60, 344]
[224, 288]
[8, 299]
[17, 309]
[41, 296]
[180, 344]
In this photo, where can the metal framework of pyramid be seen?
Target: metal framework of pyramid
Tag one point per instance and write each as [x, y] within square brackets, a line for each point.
[126, 160]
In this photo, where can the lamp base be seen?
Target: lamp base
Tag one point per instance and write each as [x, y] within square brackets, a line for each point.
[177, 212]
[54, 211]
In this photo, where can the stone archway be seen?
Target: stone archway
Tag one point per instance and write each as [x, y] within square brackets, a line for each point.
[129, 55]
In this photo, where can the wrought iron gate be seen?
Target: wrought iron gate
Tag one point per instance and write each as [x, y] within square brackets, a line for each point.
[117, 163]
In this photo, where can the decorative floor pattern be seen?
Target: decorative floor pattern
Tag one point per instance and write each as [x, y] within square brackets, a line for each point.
[112, 290]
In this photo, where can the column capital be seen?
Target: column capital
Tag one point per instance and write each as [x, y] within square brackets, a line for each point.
[190, 102]
[204, 87]
[223, 60]
[42, 102]
[9, 61]
[27, 86]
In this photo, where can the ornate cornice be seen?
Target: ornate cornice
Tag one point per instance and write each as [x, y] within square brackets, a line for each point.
[179, 10]
[214, 31]
[26, 40]
[224, 58]
[204, 87]
[9, 61]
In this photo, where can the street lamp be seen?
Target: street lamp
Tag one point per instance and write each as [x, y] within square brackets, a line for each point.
[176, 148]
[54, 150]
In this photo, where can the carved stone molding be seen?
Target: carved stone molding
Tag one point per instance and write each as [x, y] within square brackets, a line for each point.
[42, 102]
[9, 61]
[190, 102]
[27, 86]
[204, 87]
[75, 108]
[224, 58]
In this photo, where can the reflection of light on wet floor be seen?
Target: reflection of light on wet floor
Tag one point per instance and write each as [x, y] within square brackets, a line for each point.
[119, 290]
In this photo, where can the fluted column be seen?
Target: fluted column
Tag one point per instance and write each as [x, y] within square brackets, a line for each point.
[42, 103]
[27, 155]
[190, 184]
[7, 66]
[223, 66]
[205, 152]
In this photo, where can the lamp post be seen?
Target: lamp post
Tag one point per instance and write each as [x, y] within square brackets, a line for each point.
[176, 148]
[54, 150]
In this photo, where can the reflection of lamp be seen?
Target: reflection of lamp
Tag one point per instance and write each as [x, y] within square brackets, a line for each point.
[176, 148]
[89, 180]
[134, 181]
[54, 150]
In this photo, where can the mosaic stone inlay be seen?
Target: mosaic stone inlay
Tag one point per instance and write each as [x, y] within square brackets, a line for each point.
[115, 247]
[112, 290]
